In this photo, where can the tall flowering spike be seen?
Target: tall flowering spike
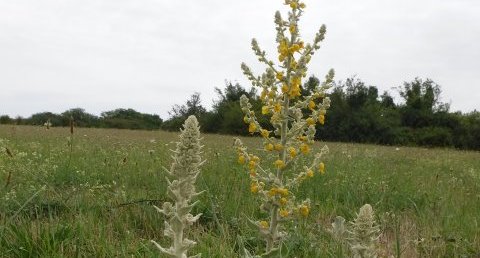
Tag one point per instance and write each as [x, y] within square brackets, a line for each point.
[364, 233]
[293, 117]
[181, 189]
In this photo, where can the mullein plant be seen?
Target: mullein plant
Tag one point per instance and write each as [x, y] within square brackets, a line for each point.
[361, 235]
[293, 117]
[364, 234]
[183, 172]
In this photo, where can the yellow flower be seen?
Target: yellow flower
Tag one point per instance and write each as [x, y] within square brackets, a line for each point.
[283, 201]
[284, 88]
[278, 147]
[321, 168]
[294, 92]
[254, 188]
[263, 95]
[292, 151]
[284, 213]
[283, 191]
[269, 147]
[292, 28]
[264, 133]
[296, 81]
[263, 224]
[279, 163]
[311, 105]
[253, 173]
[304, 148]
[272, 94]
[265, 110]
[272, 192]
[304, 210]
[252, 164]
[241, 159]
[321, 119]
[302, 138]
[293, 5]
[310, 173]
[302, 5]
[280, 76]
[246, 119]
[255, 158]
[277, 108]
[252, 128]
[283, 48]
[323, 111]
[310, 121]
[295, 47]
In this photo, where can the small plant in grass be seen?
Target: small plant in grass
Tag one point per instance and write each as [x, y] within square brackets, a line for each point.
[361, 234]
[183, 172]
[364, 233]
[293, 117]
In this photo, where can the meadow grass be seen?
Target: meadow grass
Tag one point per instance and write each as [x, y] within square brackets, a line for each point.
[96, 198]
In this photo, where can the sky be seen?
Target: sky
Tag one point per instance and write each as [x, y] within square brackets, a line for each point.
[151, 54]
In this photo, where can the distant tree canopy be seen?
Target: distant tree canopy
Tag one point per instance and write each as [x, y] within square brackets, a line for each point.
[118, 118]
[357, 114]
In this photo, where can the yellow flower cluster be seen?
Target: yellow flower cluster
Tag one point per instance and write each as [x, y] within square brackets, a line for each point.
[278, 191]
[304, 210]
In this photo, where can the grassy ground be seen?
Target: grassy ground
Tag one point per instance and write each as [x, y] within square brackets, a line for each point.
[92, 196]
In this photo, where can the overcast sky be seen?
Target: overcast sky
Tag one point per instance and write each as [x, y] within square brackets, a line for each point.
[148, 55]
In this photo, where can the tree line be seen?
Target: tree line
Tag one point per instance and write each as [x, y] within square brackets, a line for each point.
[358, 114]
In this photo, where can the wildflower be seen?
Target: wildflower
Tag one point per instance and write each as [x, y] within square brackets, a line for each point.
[278, 147]
[292, 151]
[279, 76]
[265, 110]
[263, 224]
[264, 133]
[282, 191]
[284, 213]
[311, 104]
[263, 95]
[293, 5]
[310, 121]
[277, 108]
[252, 164]
[269, 147]
[241, 159]
[304, 148]
[321, 119]
[310, 173]
[304, 210]
[252, 128]
[321, 168]
[184, 171]
[272, 192]
[254, 188]
[294, 92]
[292, 28]
[279, 163]
[284, 88]
[283, 201]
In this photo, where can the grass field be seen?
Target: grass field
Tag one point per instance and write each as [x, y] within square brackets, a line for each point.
[92, 196]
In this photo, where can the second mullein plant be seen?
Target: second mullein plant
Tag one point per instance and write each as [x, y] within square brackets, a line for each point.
[293, 118]
[183, 173]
